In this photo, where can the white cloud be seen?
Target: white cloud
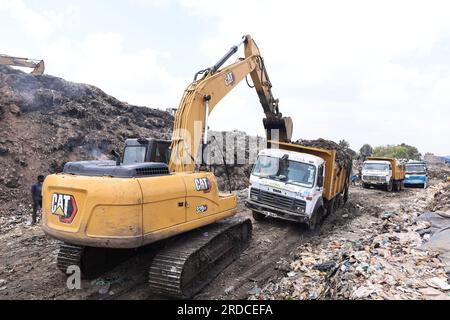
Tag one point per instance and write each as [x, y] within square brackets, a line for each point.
[40, 25]
[138, 77]
[315, 49]
[364, 71]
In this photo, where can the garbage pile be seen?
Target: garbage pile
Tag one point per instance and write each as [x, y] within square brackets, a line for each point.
[441, 199]
[438, 235]
[378, 255]
[341, 153]
[46, 121]
[240, 151]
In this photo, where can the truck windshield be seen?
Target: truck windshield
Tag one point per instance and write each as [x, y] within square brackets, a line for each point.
[288, 171]
[415, 168]
[376, 166]
[134, 154]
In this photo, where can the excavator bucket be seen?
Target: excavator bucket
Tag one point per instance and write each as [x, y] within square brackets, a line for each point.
[38, 66]
[283, 125]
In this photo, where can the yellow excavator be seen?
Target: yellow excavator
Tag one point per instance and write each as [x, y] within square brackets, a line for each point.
[38, 66]
[156, 190]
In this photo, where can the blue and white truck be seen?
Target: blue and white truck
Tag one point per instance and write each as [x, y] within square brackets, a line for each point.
[416, 174]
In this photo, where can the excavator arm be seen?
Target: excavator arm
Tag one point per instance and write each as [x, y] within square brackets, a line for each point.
[202, 95]
[37, 65]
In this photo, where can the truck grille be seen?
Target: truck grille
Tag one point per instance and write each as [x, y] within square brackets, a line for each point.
[374, 178]
[276, 200]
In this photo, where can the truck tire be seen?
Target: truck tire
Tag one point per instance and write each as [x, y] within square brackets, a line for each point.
[396, 185]
[365, 185]
[331, 207]
[316, 218]
[345, 194]
[258, 216]
[390, 186]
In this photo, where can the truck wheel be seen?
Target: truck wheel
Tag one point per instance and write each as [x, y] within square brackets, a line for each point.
[258, 216]
[365, 185]
[345, 194]
[315, 219]
[331, 207]
[390, 186]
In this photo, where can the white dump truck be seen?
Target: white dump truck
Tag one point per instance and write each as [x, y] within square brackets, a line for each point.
[297, 183]
[388, 173]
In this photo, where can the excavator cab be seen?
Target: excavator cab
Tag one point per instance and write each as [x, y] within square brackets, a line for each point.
[146, 150]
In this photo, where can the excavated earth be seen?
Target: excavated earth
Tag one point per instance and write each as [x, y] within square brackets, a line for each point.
[46, 121]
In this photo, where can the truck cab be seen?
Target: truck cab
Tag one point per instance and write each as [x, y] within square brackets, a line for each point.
[416, 174]
[286, 184]
[376, 173]
[388, 173]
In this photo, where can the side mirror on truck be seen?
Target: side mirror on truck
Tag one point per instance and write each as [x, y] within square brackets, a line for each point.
[320, 181]
[320, 176]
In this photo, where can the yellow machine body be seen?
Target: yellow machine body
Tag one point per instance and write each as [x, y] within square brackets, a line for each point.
[131, 212]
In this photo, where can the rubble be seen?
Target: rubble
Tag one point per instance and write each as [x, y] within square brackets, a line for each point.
[378, 255]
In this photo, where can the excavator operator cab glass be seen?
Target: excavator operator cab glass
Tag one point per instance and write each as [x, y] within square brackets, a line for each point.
[134, 154]
[161, 152]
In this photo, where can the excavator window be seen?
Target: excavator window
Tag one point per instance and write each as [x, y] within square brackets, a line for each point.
[134, 154]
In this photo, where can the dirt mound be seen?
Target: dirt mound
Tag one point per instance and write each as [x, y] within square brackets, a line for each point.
[441, 199]
[341, 153]
[46, 121]
[240, 151]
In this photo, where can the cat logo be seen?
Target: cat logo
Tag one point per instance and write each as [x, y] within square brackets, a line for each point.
[64, 206]
[229, 79]
[202, 184]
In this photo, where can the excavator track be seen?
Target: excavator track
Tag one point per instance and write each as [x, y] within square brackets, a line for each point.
[186, 265]
[91, 261]
[69, 255]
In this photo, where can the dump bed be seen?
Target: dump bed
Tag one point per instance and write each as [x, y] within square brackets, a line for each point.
[398, 170]
[336, 175]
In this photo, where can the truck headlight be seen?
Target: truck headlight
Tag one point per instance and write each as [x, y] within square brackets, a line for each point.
[254, 197]
[300, 209]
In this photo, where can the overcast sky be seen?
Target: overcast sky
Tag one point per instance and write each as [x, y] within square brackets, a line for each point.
[374, 72]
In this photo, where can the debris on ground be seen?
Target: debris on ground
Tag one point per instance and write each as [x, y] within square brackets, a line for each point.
[379, 255]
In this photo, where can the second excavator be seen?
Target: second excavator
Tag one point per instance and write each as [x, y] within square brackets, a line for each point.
[38, 66]
[155, 190]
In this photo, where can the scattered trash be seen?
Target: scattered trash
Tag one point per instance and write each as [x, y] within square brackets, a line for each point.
[439, 283]
[229, 290]
[376, 255]
[254, 291]
[104, 289]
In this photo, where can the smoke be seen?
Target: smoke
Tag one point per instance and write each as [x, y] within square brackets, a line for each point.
[97, 154]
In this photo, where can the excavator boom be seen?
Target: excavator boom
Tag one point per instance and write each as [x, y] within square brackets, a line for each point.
[38, 66]
[203, 94]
